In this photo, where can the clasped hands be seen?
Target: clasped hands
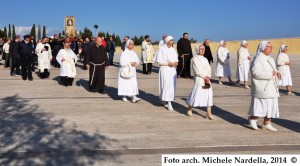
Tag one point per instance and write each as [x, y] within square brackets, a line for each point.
[277, 74]
[172, 64]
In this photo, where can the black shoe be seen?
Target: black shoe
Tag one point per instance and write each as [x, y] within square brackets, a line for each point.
[102, 91]
[30, 79]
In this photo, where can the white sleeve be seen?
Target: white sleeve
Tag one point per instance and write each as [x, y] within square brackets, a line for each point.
[59, 56]
[123, 60]
[137, 60]
[49, 51]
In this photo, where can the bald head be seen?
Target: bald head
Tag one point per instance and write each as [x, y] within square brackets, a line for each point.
[98, 41]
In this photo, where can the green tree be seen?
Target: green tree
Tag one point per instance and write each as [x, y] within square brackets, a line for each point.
[59, 35]
[101, 34]
[135, 40]
[1, 33]
[193, 40]
[44, 31]
[13, 32]
[32, 32]
[63, 33]
[9, 31]
[5, 32]
[107, 36]
[138, 41]
[118, 40]
[141, 39]
[39, 32]
[87, 33]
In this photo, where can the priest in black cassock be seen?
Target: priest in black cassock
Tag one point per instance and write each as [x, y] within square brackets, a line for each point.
[207, 53]
[185, 55]
[97, 64]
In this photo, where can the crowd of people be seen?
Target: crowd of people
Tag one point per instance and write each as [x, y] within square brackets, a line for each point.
[267, 74]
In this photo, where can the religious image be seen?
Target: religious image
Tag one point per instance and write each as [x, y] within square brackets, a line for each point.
[70, 22]
[70, 26]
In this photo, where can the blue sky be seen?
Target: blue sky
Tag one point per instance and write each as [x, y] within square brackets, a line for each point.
[214, 19]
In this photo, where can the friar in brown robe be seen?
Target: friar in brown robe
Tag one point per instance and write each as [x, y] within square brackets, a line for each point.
[97, 64]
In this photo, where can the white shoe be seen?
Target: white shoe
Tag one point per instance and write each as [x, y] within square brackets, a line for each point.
[189, 113]
[124, 99]
[269, 127]
[135, 99]
[220, 83]
[170, 108]
[253, 124]
[291, 93]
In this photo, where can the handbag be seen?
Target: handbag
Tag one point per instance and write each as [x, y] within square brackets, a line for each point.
[125, 72]
[206, 85]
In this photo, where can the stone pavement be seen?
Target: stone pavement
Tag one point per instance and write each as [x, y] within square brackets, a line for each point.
[44, 123]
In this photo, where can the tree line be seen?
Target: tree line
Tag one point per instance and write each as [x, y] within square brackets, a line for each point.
[11, 32]
[82, 34]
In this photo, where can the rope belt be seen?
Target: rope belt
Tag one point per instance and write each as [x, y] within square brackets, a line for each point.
[94, 70]
[182, 64]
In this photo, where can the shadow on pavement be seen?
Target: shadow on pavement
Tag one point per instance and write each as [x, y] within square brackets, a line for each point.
[29, 136]
[291, 125]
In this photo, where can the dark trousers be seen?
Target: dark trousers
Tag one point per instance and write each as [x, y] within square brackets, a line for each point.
[84, 62]
[8, 60]
[183, 68]
[26, 68]
[111, 54]
[81, 57]
[67, 81]
[54, 62]
[34, 62]
[15, 65]
[45, 74]
[147, 67]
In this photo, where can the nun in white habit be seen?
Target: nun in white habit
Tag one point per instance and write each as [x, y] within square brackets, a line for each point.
[243, 64]
[264, 91]
[167, 58]
[67, 59]
[127, 82]
[223, 64]
[283, 64]
[201, 95]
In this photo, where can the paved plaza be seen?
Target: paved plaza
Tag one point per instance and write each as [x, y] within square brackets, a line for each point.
[44, 123]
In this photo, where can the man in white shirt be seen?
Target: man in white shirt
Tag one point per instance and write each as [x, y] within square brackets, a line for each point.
[6, 53]
[162, 41]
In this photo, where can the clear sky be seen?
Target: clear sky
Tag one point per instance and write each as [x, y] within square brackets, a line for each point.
[214, 19]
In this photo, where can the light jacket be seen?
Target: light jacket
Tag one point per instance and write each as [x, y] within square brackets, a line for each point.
[264, 84]
[200, 69]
